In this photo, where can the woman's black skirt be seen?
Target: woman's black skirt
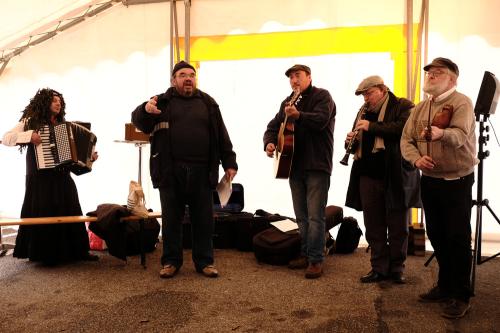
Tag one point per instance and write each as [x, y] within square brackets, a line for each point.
[51, 193]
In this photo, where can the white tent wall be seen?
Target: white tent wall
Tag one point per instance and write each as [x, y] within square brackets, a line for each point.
[109, 64]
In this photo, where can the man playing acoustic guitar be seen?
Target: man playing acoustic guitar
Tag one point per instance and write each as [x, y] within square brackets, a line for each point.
[312, 117]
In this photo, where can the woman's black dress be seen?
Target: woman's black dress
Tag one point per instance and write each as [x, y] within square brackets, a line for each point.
[50, 192]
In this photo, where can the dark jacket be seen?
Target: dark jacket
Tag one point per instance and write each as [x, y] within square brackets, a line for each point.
[313, 136]
[401, 179]
[160, 161]
[109, 228]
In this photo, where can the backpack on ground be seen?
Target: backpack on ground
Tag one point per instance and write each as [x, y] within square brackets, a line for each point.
[275, 247]
[348, 236]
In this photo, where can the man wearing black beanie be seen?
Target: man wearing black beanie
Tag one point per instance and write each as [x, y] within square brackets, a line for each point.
[188, 142]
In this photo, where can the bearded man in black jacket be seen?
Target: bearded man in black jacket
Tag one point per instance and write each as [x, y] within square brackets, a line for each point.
[188, 143]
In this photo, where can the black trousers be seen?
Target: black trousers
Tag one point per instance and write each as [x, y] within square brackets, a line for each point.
[386, 229]
[190, 186]
[447, 206]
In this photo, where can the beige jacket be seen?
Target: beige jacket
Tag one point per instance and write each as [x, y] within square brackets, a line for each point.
[455, 153]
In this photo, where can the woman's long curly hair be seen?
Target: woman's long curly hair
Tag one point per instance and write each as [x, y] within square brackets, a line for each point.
[37, 113]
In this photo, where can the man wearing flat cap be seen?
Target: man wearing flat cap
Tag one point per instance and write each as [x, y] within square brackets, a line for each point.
[313, 119]
[439, 138]
[188, 142]
[382, 184]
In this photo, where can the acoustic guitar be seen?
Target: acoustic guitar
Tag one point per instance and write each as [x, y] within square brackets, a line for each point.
[284, 148]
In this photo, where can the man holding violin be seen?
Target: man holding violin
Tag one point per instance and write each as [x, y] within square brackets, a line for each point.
[382, 184]
[439, 139]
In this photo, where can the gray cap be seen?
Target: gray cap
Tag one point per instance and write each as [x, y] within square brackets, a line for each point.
[297, 67]
[369, 82]
[443, 62]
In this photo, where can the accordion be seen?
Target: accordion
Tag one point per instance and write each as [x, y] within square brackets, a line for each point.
[67, 145]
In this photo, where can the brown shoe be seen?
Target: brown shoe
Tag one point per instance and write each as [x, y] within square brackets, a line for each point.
[314, 270]
[298, 263]
[168, 271]
[209, 271]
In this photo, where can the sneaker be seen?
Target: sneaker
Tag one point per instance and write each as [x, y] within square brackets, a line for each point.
[434, 295]
[455, 309]
[168, 271]
[298, 263]
[314, 270]
[209, 271]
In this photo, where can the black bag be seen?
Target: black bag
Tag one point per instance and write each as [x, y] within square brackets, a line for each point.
[133, 235]
[225, 234]
[348, 236]
[334, 215]
[235, 203]
[247, 227]
[275, 247]
[226, 220]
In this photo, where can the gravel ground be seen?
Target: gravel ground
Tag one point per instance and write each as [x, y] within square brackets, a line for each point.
[113, 296]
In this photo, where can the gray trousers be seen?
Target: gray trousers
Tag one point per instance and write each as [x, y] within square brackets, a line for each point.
[386, 230]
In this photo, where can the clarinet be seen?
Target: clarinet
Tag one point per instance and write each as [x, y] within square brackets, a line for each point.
[354, 138]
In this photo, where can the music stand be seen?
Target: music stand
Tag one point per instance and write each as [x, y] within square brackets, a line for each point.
[139, 144]
[480, 202]
[486, 103]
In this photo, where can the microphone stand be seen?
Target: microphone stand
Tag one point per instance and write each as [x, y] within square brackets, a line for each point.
[480, 202]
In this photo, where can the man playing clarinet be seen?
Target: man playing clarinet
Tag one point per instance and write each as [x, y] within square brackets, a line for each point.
[382, 184]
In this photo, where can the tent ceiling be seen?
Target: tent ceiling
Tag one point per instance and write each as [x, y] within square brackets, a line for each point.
[38, 23]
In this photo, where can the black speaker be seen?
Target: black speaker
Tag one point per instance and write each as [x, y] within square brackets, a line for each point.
[487, 99]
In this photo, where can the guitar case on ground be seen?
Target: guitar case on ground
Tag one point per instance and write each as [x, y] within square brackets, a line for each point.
[227, 220]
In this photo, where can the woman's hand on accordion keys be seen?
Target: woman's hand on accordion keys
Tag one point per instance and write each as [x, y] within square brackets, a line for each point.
[94, 157]
[35, 138]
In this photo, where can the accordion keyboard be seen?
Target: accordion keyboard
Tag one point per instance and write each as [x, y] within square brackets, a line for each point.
[45, 150]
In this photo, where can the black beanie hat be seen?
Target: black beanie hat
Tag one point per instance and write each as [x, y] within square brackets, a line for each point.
[180, 65]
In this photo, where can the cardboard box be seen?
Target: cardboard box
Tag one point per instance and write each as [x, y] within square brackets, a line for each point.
[133, 134]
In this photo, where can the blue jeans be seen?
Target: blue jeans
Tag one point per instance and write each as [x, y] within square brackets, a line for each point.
[310, 196]
[190, 187]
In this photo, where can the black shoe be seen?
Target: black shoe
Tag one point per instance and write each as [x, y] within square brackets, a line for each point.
[455, 309]
[398, 278]
[434, 295]
[372, 277]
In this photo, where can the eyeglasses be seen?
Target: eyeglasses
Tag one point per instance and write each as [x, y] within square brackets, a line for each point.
[185, 75]
[435, 74]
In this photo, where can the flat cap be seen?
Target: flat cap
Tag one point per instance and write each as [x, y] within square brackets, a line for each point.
[180, 65]
[298, 67]
[443, 62]
[369, 82]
